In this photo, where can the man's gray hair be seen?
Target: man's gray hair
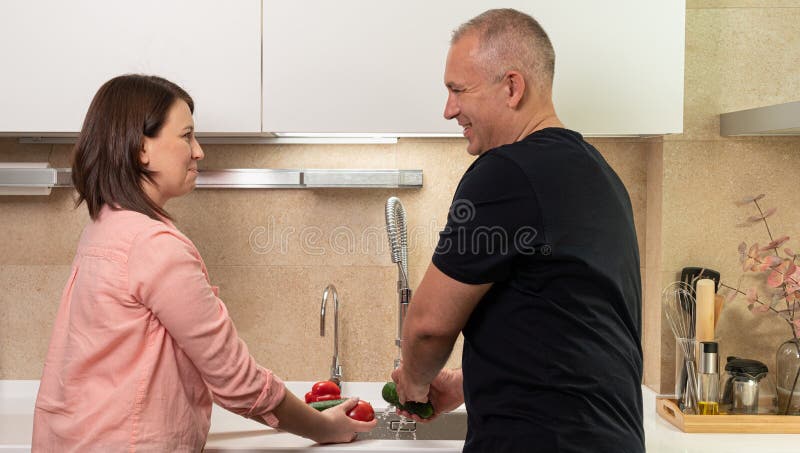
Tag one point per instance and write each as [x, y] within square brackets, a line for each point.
[512, 40]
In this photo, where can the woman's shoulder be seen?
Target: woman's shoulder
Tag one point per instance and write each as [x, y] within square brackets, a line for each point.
[124, 221]
[123, 228]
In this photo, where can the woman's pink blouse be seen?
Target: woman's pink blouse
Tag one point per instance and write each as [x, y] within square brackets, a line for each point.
[141, 346]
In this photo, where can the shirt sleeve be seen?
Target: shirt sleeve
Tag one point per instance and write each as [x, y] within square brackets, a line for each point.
[493, 220]
[167, 276]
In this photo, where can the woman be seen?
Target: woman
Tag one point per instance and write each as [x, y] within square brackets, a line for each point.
[141, 343]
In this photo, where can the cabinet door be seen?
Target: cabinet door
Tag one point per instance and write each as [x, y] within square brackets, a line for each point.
[377, 67]
[350, 66]
[57, 53]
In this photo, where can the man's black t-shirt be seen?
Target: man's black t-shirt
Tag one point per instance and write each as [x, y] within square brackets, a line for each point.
[552, 356]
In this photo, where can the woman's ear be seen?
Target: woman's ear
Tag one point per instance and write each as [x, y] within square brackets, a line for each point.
[144, 155]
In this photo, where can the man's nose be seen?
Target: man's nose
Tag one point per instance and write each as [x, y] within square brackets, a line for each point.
[451, 109]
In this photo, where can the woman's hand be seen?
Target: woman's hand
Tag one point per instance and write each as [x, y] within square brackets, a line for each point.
[341, 428]
[326, 427]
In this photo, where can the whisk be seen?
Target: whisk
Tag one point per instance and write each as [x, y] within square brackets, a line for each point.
[678, 303]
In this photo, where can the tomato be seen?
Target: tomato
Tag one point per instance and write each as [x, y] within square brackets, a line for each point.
[311, 398]
[325, 388]
[323, 391]
[363, 412]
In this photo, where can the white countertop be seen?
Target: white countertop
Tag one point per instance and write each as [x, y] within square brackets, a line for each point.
[230, 432]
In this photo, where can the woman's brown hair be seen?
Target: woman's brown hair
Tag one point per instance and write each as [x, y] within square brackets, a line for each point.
[106, 165]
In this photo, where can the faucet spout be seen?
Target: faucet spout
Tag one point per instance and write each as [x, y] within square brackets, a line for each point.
[336, 367]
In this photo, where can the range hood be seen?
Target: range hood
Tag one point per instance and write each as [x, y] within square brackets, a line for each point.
[780, 119]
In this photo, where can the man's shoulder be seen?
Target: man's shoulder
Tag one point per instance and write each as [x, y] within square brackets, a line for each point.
[494, 169]
[543, 144]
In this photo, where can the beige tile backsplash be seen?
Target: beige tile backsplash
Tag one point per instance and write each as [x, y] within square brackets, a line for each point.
[270, 251]
[273, 251]
[737, 58]
[740, 54]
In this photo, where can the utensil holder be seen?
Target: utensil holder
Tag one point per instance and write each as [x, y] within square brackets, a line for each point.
[686, 374]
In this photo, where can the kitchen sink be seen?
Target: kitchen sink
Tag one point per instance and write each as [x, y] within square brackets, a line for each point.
[450, 426]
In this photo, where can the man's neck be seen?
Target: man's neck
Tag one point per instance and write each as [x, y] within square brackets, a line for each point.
[538, 113]
[539, 124]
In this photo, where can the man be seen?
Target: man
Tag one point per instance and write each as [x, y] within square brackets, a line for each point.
[538, 265]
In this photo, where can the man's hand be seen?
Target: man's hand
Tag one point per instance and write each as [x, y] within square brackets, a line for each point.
[445, 393]
[407, 390]
[436, 315]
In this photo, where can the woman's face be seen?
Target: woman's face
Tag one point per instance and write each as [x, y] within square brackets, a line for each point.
[172, 156]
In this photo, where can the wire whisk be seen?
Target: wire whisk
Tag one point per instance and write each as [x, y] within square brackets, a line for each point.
[679, 304]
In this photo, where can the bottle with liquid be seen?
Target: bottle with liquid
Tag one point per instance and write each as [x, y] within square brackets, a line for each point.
[708, 379]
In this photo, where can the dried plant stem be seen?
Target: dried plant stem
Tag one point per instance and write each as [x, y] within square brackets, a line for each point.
[796, 345]
[764, 219]
[757, 299]
[790, 308]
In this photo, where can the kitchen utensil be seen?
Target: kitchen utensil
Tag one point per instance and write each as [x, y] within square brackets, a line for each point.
[690, 276]
[741, 387]
[677, 301]
[719, 301]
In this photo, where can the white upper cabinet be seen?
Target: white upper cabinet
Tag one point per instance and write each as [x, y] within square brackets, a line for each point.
[322, 66]
[350, 66]
[55, 55]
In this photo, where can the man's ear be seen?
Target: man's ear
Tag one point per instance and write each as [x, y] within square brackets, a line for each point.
[515, 88]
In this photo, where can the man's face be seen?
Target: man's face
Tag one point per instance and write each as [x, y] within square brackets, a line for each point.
[474, 100]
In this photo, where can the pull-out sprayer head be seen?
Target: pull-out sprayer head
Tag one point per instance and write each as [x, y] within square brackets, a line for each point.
[398, 238]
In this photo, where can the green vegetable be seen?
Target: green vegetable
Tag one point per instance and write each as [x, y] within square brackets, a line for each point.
[322, 405]
[389, 393]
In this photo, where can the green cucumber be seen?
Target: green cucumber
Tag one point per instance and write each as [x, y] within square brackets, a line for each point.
[389, 393]
[322, 405]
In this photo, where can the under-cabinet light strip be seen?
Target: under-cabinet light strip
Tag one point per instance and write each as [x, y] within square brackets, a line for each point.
[242, 178]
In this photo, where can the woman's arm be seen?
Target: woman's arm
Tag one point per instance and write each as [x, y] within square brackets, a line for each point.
[328, 426]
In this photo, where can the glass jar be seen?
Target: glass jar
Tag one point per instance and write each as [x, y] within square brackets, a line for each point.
[746, 389]
[787, 377]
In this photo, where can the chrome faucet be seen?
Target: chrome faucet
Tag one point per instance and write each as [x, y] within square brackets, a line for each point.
[398, 242]
[336, 368]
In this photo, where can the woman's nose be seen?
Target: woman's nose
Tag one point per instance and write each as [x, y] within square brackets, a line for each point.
[197, 151]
